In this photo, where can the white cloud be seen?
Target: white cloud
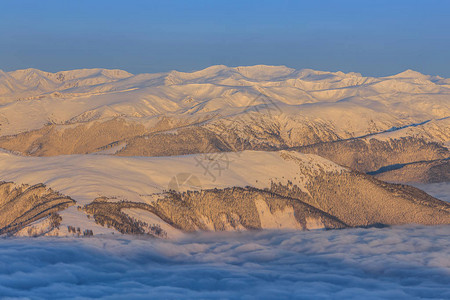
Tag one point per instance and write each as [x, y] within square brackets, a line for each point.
[399, 262]
[440, 190]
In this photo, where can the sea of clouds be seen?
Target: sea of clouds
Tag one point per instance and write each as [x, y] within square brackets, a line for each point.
[440, 190]
[405, 262]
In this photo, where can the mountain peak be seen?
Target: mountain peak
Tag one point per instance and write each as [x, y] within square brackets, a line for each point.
[410, 74]
[26, 72]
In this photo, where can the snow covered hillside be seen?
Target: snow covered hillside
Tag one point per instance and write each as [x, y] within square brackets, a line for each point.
[361, 122]
[165, 196]
[221, 149]
[32, 98]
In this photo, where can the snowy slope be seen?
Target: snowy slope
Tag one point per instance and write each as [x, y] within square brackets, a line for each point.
[143, 179]
[32, 98]
[86, 177]
[223, 191]
[98, 113]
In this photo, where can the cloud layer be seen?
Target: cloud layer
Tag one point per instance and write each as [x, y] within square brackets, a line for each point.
[399, 263]
[440, 190]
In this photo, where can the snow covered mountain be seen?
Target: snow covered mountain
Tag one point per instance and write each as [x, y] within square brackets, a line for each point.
[33, 98]
[165, 196]
[176, 151]
[218, 109]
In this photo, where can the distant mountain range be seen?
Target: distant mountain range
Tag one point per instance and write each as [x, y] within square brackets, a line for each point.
[276, 123]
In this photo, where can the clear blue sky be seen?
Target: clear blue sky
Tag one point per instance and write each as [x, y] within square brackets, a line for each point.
[374, 37]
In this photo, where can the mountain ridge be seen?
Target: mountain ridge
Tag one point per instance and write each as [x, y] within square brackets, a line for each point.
[223, 109]
[153, 153]
[214, 90]
[257, 72]
[165, 196]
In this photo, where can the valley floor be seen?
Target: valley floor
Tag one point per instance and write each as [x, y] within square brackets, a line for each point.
[401, 262]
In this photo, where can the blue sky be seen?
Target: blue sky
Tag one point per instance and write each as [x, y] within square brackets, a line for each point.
[372, 37]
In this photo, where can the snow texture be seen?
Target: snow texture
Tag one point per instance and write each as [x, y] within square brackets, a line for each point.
[31, 98]
[86, 177]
